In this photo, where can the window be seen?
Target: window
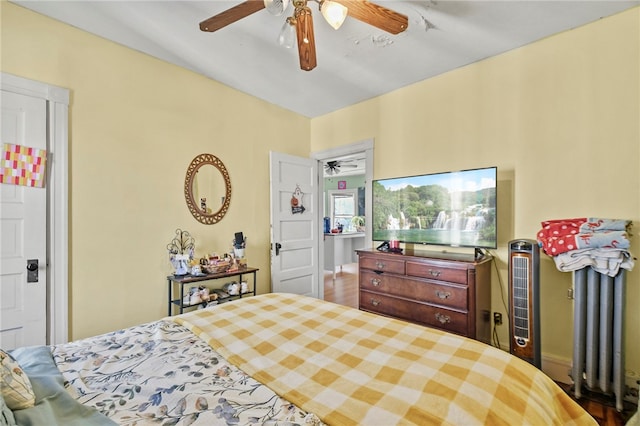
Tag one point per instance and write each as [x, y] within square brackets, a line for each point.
[343, 206]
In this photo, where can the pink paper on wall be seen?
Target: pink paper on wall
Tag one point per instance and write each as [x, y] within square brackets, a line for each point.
[23, 165]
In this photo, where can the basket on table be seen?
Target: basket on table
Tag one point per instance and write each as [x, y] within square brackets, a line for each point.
[216, 268]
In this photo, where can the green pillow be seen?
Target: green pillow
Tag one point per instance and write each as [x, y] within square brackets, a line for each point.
[6, 415]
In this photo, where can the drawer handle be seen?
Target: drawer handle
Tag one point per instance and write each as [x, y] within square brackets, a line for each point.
[434, 273]
[444, 319]
[443, 294]
[375, 302]
[376, 282]
[380, 265]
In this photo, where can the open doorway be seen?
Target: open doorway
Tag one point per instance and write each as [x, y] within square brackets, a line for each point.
[345, 175]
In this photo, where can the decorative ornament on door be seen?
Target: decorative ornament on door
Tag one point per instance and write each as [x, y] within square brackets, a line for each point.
[23, 165]
[296, 201]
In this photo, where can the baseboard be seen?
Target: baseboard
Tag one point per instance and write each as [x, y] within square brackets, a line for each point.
[559, 369]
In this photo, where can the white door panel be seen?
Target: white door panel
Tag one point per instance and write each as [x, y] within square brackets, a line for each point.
[23, 222]
[292, 230]
[298, 285]
[294, 236]
[294, 260]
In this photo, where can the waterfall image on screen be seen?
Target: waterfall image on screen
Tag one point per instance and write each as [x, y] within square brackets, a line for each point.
[453, 208]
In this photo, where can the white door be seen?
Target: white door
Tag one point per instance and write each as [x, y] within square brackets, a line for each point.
[23, 227]
[294, 225]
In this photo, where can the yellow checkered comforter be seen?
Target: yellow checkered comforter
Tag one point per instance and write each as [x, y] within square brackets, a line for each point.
[352, 367]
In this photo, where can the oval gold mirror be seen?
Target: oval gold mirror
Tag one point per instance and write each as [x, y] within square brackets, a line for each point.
[207, 189]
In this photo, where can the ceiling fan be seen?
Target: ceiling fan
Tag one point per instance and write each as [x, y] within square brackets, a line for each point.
[333, 167]
[300, 24]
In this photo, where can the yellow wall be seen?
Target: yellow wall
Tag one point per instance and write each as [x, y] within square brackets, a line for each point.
[559, 118]
[135, 125]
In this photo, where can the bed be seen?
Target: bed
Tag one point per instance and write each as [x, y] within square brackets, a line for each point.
[286, 359]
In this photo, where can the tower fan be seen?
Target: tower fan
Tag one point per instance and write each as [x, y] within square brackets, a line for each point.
[524, 301]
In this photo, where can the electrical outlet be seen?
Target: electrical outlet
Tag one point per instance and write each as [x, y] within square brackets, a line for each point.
[497, 318]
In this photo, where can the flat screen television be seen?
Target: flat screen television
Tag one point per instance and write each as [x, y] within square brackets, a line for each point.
[456, 208]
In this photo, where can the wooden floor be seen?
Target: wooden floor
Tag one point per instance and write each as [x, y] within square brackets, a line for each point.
[602, 407]
[344, 290]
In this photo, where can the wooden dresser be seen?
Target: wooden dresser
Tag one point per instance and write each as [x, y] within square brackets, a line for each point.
[448, 291]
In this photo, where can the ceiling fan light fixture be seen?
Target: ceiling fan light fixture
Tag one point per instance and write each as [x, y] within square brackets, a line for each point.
[276, 7]
[334, 13]
[287, 36]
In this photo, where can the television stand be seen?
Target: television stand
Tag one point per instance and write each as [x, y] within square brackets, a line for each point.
[448, 291]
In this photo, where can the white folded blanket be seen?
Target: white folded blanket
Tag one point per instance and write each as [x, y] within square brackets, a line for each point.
[605, 261]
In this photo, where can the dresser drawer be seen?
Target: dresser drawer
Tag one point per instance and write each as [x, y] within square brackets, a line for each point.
[441, 294]
[451, 292]
[382, 264]
[434, 316]
[436, 271]
[382, 282]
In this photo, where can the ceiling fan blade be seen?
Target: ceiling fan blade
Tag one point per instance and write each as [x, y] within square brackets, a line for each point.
[378, 16]
[306, 38]
[232, 15]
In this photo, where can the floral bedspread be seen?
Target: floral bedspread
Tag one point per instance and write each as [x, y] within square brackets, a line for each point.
[160, 373]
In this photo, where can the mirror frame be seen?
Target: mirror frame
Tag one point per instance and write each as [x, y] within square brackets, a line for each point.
[194, 166]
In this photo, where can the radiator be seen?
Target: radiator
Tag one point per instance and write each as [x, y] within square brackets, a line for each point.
[598, 340]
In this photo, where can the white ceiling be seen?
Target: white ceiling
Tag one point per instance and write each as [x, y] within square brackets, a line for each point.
[355, 63]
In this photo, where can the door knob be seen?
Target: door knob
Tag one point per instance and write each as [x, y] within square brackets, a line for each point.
[32, 270]
[278, 247]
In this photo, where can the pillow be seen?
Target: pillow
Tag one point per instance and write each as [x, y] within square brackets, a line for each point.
[15, 386]
[6, 415]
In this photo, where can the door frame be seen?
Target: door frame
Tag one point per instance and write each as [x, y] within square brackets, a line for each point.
[366, 147]
[57, 198]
